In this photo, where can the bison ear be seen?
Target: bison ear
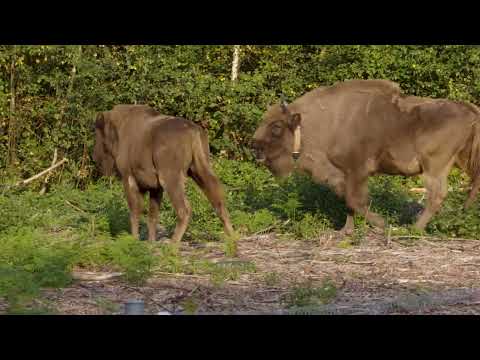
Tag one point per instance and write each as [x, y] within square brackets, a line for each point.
[294, 121]
[100, 122]
[110, 133]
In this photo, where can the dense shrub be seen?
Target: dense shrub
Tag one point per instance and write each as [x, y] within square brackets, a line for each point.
[58, 89]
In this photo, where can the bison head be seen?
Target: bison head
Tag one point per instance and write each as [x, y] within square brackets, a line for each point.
[273, 142]
[106, 139]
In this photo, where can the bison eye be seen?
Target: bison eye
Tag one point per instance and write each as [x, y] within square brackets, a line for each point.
[277, 130]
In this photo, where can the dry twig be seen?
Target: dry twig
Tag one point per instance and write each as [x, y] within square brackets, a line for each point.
[429, 238]
[46, 171]
[180, 275]
[75, 207]
[362, 262]
[44, 188]
[91, 276]
[389, 236]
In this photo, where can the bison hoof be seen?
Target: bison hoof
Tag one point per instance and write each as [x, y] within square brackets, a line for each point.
[378, 230]
[346, 231]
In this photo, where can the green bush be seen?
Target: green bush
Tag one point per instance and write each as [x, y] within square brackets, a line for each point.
[29, 261]
[131, 256]
[55, 109]
[43, 237]
[307, 294]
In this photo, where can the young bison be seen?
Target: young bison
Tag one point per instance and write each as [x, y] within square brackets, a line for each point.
[151, 153]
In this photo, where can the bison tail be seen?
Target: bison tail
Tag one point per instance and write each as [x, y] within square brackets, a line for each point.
[201, 155]
[201, 150]
[203, 170]
[473, 165]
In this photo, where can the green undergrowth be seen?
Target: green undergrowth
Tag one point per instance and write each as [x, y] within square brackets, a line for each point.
[308, 294]
[44, 237]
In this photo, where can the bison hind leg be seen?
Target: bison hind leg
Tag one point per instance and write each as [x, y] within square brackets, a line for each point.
[212, 188]
[135, 203]
[155, 201]
[175, 188]
[436, 183]
[437, 190]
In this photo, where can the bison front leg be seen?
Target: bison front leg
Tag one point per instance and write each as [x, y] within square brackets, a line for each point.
[155, 201]
[175, 189]
[325, 172]
[338, 185]
[357, 199]
[349, 226]
[135, 204]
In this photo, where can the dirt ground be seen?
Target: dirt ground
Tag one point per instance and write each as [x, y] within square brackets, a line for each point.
[420, 276]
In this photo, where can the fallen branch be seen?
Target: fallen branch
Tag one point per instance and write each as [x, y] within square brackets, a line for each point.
[181, 275]
[441, 245]
[46, 171]
[389, 236]
[194, 289]
[362, 262]
[429, 238]
[91, 276]
[264, 231]
[257, 237]
[54, 160]
[271, 290]
[75, 207]
[414, 281]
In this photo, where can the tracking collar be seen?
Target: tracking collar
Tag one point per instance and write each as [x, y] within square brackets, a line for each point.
[297, 140]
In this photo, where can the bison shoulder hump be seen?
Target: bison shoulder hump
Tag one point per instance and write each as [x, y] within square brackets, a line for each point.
[388, 86]
[472, 107]
[175, 123]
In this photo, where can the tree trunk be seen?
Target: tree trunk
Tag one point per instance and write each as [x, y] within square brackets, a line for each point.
[74, 71]
[12, 128]
[236, 62]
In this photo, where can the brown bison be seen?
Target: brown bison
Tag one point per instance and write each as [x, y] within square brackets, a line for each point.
[151, 152]
[344, 133]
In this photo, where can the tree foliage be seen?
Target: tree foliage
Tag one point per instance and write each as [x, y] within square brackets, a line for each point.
[58, 89]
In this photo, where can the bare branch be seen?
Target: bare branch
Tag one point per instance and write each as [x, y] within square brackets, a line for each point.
[44, 188]
[92, 276]
[75, 207]
[429, 238]
[46, 171]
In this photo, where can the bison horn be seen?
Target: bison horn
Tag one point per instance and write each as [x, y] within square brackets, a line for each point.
[283, 103]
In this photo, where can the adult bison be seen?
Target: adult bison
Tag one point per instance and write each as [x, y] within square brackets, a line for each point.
[151, 152]
[344, 133]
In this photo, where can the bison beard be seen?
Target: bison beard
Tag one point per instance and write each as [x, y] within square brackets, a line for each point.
[358, 128]
[151, 153]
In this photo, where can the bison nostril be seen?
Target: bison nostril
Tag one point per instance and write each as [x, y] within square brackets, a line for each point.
[257, 150]
[259, 156]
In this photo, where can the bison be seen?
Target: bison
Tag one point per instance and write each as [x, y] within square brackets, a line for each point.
[151, 152]
[342, 134]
